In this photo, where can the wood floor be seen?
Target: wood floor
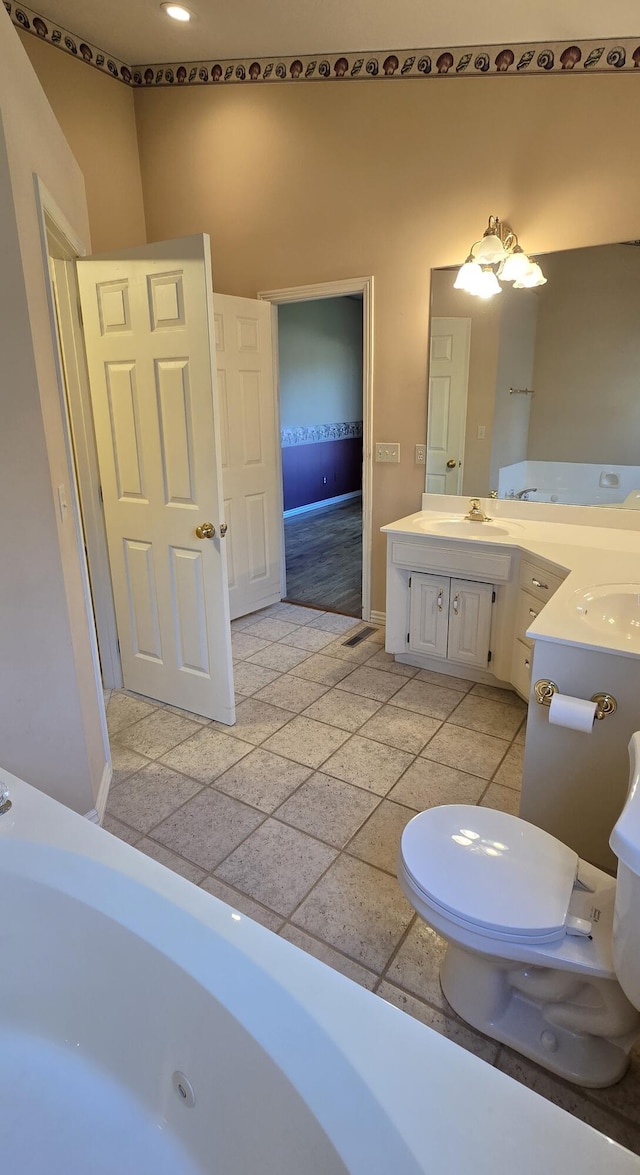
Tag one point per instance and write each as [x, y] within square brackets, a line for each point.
[324, 557]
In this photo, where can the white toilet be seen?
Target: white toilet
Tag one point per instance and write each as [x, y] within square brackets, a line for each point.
[543, 948]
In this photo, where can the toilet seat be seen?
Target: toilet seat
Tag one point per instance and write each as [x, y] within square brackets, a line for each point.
[490, 873]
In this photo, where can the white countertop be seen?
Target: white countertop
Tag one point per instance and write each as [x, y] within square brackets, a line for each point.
[590, 554]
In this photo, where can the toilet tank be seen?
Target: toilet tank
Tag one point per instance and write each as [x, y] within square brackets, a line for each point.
[625, 842]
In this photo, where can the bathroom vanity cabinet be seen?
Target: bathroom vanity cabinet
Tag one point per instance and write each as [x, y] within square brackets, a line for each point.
[450, 618]
[466, 605]
[449, 607]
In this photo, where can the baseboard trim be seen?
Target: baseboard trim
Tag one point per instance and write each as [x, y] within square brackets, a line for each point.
[452, 669]
[319, 505]
[378, 617]
[96, 814]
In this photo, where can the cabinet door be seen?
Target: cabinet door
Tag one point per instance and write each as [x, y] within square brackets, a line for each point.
[470, 622]
[429, 614]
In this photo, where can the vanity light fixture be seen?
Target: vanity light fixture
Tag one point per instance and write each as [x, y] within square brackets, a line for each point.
[497, 256]
[176, 12]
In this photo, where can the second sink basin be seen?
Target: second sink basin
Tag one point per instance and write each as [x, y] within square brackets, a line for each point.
[463, 528]
[613, 608]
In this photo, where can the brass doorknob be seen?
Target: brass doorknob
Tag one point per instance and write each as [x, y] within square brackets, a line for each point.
[451, 463]
[206, 530]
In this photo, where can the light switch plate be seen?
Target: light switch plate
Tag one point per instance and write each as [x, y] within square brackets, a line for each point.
[388, 451]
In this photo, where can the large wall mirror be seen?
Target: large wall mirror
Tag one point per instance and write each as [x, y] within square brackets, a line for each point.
[535, 393]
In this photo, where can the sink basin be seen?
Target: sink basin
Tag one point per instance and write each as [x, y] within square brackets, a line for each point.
[612, 608]
[462, 528]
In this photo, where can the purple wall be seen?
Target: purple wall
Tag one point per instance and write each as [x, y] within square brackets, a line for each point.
[305, 466]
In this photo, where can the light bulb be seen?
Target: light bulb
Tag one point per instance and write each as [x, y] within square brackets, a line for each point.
[516, 264]
[488, 285]
[537, 274]
[469, 276]
[489, 250]
[176, 11]
[533, 276]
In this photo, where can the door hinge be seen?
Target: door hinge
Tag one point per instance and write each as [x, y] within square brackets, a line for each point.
[118, 645]
[493, 597]
[489, 656]
[101, 495]
[80, 313]
[408, 637]
[410, 578]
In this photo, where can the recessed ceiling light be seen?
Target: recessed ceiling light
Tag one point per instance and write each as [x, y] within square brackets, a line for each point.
[176, 11]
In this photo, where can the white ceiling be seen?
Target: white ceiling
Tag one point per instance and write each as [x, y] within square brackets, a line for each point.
[138, 32]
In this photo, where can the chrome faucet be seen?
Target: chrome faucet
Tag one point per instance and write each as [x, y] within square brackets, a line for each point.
[523, 495]
[476, 514]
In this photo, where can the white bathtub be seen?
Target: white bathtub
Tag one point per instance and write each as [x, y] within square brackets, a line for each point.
[116, 974]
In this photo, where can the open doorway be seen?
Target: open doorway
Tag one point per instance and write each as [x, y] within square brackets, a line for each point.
[324, 368]
[320, 381]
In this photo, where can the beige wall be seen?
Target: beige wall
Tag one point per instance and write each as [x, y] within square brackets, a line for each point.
[97, 117]
[587, 359]
[297, 184]
[320, 360]
[300, 183]
[51, 710]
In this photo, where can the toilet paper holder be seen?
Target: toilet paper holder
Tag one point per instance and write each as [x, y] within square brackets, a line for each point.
[545, 689]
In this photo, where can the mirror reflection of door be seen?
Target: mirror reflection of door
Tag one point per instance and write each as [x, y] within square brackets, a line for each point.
[448, 381]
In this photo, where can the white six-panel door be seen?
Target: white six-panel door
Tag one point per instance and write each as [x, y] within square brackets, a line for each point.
[148, 322]
[250, 445]
[448, 380]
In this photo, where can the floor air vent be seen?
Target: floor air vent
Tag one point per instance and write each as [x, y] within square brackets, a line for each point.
[360, 635]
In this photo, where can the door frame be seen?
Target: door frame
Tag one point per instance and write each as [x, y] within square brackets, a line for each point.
[316, 292]
[77, 414]
[54, 226]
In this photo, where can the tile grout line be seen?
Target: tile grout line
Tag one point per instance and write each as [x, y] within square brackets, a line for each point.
[322, 942]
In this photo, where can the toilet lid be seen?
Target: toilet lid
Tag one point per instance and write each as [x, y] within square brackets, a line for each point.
[491, 870]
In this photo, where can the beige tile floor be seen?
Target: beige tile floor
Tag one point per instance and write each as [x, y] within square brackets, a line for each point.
[294, 815]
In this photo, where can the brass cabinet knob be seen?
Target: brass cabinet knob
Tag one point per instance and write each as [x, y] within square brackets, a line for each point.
[206, 530]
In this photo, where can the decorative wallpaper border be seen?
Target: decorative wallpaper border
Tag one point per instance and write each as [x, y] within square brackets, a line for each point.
[315, 434]
[606, 56]
[41, 26]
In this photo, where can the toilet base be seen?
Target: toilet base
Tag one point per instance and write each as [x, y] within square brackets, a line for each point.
[480, 993]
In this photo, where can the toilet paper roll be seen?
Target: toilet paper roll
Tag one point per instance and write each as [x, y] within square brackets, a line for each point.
[574, 713]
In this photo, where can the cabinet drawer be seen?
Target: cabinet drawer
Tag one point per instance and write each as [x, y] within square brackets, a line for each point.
[521, 668]
[527, 609]
[489, 566]
[534, 578]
